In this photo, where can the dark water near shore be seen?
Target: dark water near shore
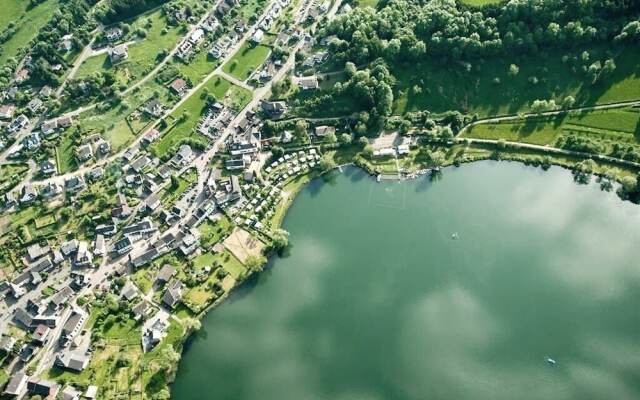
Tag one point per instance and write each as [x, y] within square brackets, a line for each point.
[377, 301]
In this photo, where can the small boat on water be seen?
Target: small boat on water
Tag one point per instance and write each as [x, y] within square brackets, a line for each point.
[551, 361]
[454, 235]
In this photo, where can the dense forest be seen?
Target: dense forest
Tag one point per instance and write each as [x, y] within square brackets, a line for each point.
[111, 11]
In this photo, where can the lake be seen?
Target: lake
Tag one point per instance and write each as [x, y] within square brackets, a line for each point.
[376, 300]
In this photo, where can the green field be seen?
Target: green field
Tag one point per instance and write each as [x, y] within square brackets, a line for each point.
[65, 154]
[28, 23]
[246, 60]
[212, 232]
[200, 66]
[143, 55]
[443, 87]
[480, 3]
[606, 127]
[194, 106]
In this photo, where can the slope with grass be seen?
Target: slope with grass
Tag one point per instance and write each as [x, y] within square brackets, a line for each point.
[249, 57]
[28, 21]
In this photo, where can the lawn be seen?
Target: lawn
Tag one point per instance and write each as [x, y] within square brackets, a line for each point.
[28, 23]
[11, 175]
[367, 3]
[144, 54]
[487, 88]
[194, 107]
[480, 3]
[199, 67]
[65, 154]
[246, 60]
[171, 194]
[212, 232]
[605, 126]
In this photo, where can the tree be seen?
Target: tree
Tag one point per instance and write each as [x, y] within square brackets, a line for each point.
[345, 139]
[513, 70]
[327, 163]
[331, 138]
[280, 240]
[300, 131]
[363, 141]
[568, 102]
[256, 263]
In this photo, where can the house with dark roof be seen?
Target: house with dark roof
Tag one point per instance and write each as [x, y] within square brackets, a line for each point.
[42, 387]
[173, 294]
[17, 385]
[165, 274]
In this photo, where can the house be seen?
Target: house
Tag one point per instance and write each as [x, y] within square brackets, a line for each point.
[47, 167]
[7, 343]
[140, 163]
[27, 352]
[183, 156]
[308, 82]
[69, 247]
[118, 53]
[123, 246]
[96, 173]
[72, 361]
[84, 257]
[152, 202]
[84, 152]
[244, 147]
[91, 393]
[241, 26]
[142, 227]
[140, 310]
[151, 136]
[22, 75]
[40, 334]
[34, 105]
[153, 107]
[50, 190]
[178, 86]
[32, 141]
[17, 385]
[6, 111]
[42, 387]
[61, 298]
[196, 36]
[18, 124]
[129, 291]
[72, 326]
[145, 257]
[74, 184]
[35, 251]
[165, 274]
[99, 245]
[65, 122]
[70, 393]
[113, 34]
[257, 36]
[49, 127]
[233, 164]
[324, 130]
[9, 200]
[45, 91]
[173, 294]
[104, 147]
[282, 39]
[66, 44]
[274, 109]
[29, 194]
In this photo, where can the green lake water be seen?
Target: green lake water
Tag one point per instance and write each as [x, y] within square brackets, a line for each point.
[377, 301]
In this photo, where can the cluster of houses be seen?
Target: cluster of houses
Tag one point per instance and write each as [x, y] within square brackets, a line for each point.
[21, 385]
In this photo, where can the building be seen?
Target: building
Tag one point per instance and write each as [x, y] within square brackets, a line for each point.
[308, 82]
[49, 127]
[153, 107]
[113, 34]
[72, 361]
[61, 298]
[47, 167]
[34, 105]
[173, 294]
[42, 387]
[40, 334]
[257, 36]
[84, 152]
[118, 53]
[274, 109]
[84, 257]
[183, 157]
[178, 86]
[74, 184]
[17, 385]
[141, 227]
[122, 246]
[151, 136]
[165, 274]
[6, 111]
[324, 130]
[72, 327]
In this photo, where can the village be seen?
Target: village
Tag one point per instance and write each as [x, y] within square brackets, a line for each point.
[163, 237]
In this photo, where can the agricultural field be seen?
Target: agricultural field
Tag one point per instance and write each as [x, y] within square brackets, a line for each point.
[606, 127]
[488, 88]
[28, 23]
[246, 60]
[193, 108]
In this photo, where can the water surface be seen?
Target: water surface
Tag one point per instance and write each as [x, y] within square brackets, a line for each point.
[377, 301]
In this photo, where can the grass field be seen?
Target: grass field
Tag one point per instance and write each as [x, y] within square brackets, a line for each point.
[143, 55]
[28, 22]
[368, 3]
[606, 127]
[443, 87]
[212, 232]
[200, 66]
[222, 89]
[246, 60]
[479, 3]
[65, 154]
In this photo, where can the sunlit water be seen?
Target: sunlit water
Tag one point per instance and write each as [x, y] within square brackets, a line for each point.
[377, 300]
